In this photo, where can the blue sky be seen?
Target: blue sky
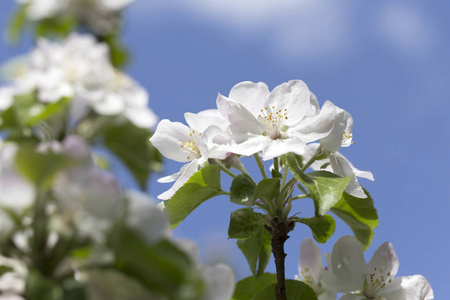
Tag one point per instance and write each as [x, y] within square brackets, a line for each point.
[385, 62]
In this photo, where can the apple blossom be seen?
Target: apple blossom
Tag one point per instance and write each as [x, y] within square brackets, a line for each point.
[99, 15]
[146, 218]
[79, 68]
[349, 274]
[219, 278]
[192, 145]
[310, 269]
[340, 136]
[274, 123]
[16, 192]
[12, 283]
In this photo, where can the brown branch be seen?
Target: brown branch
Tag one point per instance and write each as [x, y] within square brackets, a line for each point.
[279, 230]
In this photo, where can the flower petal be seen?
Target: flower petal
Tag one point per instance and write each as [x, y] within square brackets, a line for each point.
[342, 167]
[168, 137]
[251, 95]
[219, 280]
[383, 261]
[242, 122]
[278, 147]
[202, 120]
[310, 262]
[293, 96]
[316, 127]
[348, 263]
[343, 122]
[188, 171]
[410, 288]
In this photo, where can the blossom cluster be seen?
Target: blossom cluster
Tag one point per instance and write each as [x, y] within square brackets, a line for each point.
[100, 15]
[79, 68]
[252, 120]
[349, 274]
[86, 202]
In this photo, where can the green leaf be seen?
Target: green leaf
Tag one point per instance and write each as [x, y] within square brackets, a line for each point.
[132, 146]
[17, 24]
[118, 52]
[48, 111]
[257, 250]
[5, 269]
[244, 222]
[41, 287]
[294, 290]
[203, 185]
[322, 227]
[324, 187]
[57, 26]
[41, 168]
[267, 189]
[162, 267]
[360, 215]
[241, 190]
[250, 286]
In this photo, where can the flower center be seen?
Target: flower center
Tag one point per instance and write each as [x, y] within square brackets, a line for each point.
[274, 120]
[376, 281]
[347, 139]
[191, 146]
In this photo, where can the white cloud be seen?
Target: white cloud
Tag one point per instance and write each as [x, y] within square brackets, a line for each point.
[297, 29]
[305, 30]
[406, 29]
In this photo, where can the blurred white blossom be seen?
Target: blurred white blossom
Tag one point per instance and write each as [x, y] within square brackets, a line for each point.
[99, 15]
[79, 68]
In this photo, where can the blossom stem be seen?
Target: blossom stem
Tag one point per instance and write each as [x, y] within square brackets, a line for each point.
[225, 169]
[309, 162]
[275, 164]
[301, 197]
[279, 229]
[283, 179]
[260, 165]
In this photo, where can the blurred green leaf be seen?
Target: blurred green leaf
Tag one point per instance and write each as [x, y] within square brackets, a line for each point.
[244, 222]
[118, 52]
[248, 287]
[162, 268]
[360, 215]
[242, 189]
[5, 269]
[17, 24]
[132, 146]
[257, 250]
[294, 290]
[203, 185]
[40, 287]
[322, 227]
[41, 168]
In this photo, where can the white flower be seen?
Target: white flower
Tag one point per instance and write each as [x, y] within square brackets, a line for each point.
[349, 274]
[310, 269]
[274, 123]
[146, 218]
[219, 278]
[98, 15]
[90, 198]
[340, 136]
[340, 165]
[193, 145]
[79, 68]
[16, 192]
[12, 284]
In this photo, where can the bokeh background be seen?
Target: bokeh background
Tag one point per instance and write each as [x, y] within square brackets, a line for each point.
[386, 62]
